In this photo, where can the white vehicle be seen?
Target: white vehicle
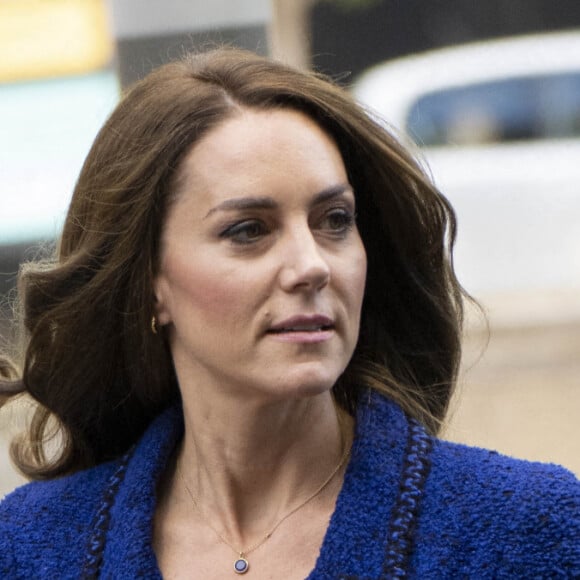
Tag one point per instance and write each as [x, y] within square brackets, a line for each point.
[498, 123]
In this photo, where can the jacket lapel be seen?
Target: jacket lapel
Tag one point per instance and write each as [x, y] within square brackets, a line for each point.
[129, 551]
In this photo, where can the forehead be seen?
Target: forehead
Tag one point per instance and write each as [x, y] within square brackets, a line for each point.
[259, 150]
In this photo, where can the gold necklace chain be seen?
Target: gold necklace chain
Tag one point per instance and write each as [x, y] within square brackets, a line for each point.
[241, 565]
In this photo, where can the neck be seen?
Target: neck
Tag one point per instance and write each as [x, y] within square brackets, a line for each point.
[250, 464]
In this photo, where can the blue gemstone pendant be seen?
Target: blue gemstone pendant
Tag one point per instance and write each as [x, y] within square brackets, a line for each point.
[241, 565]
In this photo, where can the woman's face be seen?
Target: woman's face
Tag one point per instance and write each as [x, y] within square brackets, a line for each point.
[262, 269]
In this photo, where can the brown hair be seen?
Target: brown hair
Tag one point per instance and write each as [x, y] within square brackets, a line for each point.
[91, 361]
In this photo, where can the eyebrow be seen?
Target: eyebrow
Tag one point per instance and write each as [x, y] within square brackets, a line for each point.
[264, 202]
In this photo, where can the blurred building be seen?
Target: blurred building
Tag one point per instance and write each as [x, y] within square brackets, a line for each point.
[146, 38]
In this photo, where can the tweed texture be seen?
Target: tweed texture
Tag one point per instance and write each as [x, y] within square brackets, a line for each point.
[410, 506]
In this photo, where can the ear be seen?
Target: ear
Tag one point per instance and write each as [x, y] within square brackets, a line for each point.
[162, 306]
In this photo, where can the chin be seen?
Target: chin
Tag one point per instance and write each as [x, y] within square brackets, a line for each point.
[308, 382]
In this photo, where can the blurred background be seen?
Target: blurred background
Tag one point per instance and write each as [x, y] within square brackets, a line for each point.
[486, 93]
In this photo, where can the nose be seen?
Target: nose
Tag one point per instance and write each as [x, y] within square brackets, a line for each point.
[304, 266]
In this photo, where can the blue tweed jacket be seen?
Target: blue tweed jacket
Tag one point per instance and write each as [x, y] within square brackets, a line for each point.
[411, 506]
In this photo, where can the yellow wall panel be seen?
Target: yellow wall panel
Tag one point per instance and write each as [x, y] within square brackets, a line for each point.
[46, 38]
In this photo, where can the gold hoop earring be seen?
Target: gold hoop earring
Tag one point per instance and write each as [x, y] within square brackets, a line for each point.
[154, 325]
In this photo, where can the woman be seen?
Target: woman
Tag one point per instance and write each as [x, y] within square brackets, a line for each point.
[248, 342]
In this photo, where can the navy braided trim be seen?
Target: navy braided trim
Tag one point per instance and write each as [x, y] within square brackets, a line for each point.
[405, 513]
[100, 525]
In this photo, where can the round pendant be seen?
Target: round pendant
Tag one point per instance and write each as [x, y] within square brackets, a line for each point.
[241, 566]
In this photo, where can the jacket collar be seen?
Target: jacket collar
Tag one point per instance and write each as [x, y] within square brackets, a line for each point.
[372, 514]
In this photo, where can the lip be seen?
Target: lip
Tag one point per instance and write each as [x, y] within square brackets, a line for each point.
[303, 328]
[302, 321]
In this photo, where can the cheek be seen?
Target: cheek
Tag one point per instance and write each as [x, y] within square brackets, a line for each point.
[188, 287]
[358, 275]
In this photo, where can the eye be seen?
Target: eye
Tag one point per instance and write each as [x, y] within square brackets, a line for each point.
[338, 221]
[244, 232]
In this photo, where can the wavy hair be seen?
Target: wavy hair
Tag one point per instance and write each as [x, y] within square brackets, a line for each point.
[90, 361]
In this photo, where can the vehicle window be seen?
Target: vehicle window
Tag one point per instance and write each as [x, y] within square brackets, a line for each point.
[529, 108]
